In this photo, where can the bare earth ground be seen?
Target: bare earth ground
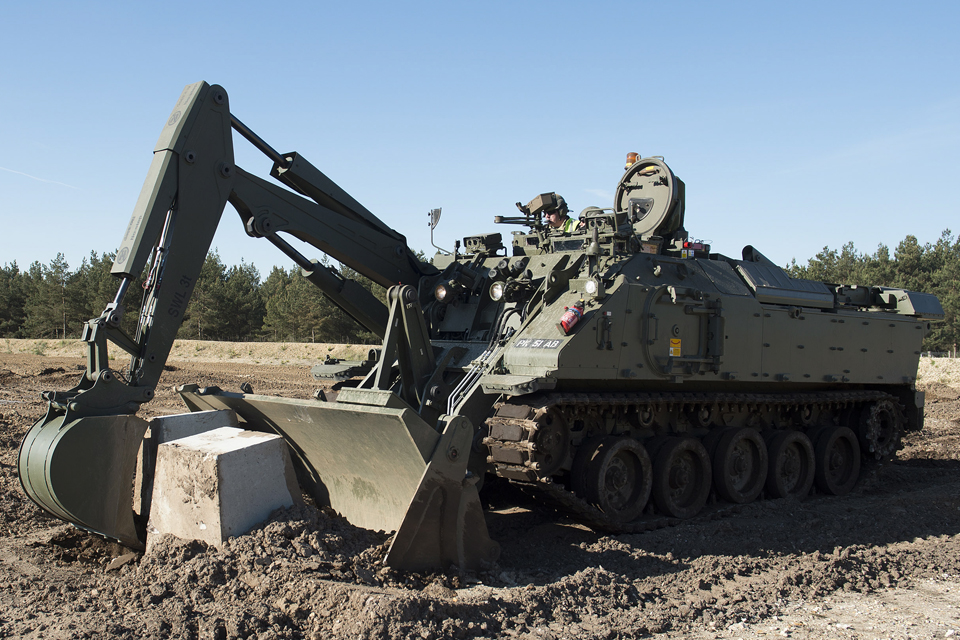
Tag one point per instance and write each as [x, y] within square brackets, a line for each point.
[883, 562]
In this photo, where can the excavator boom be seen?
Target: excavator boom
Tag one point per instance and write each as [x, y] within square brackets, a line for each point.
[77, 462]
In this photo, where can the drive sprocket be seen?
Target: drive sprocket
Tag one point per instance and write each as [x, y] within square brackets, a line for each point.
[881, 429]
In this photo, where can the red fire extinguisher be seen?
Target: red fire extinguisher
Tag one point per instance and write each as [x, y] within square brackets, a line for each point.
[571, 316]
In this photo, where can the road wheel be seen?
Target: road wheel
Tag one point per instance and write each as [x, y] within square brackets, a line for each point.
[791, 461]
[838, 460]
[740, 465]
[681, 477]
[581, 462]
[618, 478]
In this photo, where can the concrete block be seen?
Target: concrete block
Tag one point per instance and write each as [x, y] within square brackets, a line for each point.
[219, 484]
[164, 429]
[181, 425]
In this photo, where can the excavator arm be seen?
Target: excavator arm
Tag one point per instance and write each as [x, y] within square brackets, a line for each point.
[191, 178]
[77, 461]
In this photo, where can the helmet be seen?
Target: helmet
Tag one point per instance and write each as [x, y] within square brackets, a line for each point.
[591, 212]
[561, 204]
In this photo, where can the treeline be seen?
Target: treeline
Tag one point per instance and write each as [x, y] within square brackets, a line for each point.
[232, 303]
[229, 303]
[930, 268]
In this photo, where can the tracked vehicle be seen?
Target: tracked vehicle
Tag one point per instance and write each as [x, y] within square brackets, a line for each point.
[622, 369]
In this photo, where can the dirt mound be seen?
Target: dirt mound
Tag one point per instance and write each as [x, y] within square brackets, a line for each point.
[943, 370]
[294, 353]
[937, 392]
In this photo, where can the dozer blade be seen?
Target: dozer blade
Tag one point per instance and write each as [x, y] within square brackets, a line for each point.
[381, 468]
[82, 471]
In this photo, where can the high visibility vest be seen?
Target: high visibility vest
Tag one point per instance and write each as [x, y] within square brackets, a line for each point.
[569, 225]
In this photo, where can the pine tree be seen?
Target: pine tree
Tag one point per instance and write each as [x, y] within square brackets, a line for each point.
[276, 319]
[201, 320]
[239, 305]
[12, 301]
[54, 307]
[98, 287]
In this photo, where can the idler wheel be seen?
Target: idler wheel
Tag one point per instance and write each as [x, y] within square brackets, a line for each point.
[681, 477]
[838, 460]
[740, 465]
[792, 465]
[615, 474]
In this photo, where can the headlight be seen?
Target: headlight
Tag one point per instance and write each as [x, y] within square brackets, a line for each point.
[449, 291]
[496, 291]
[443, 292]
[594, 288]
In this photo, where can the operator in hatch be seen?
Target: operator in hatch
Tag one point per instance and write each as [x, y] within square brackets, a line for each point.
[558, 219]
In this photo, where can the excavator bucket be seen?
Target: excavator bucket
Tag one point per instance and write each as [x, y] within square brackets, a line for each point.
[81, 470]
[381, 467]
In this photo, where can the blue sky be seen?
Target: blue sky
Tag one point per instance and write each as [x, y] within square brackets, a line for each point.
[794, 125]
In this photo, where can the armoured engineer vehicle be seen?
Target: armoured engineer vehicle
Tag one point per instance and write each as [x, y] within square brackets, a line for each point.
[623, 370]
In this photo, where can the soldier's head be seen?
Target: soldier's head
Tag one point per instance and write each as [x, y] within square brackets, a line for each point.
[556, 216]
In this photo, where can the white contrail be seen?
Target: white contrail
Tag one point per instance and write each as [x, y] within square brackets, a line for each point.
[21, 173]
